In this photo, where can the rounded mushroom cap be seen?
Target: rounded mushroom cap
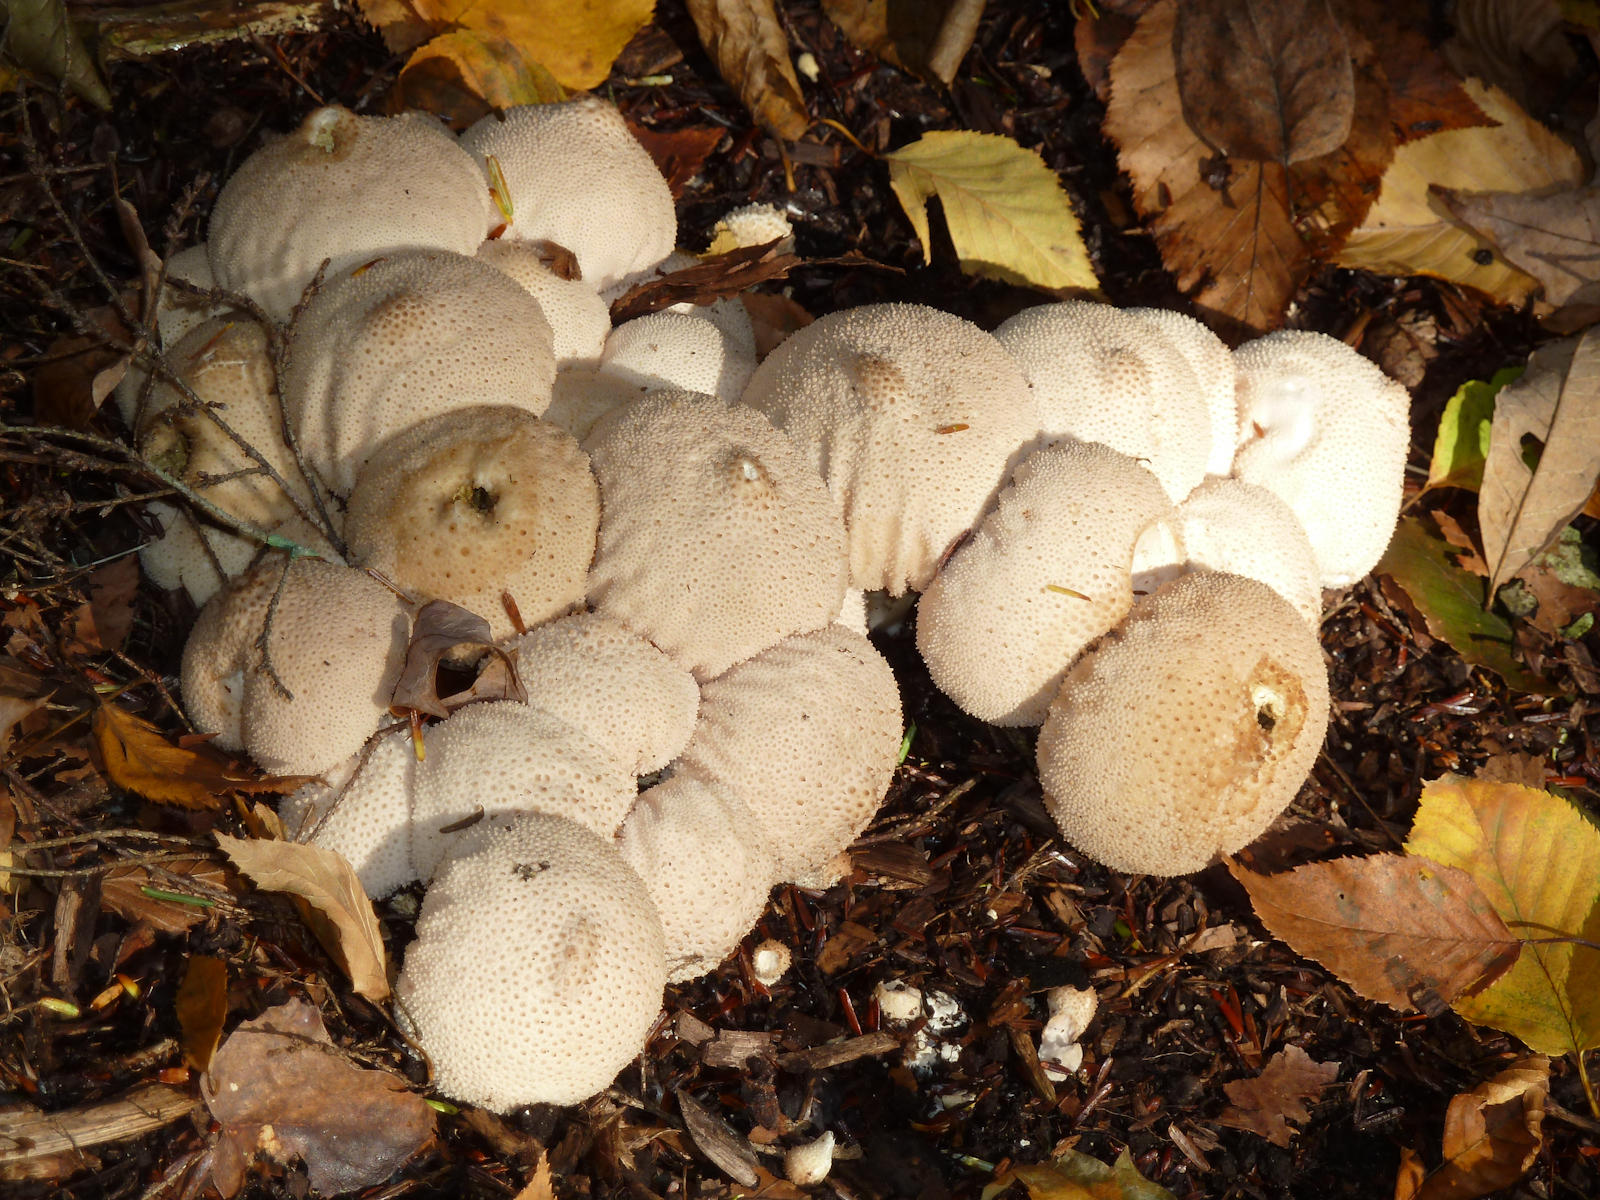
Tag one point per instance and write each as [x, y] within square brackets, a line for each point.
[707, 864]
[625, 693]
[1048, 570]
[577, 177]
[751, 225]
[1211, 361]
[579, 319]
[1234, 526]
[717, 539]
[502, 757]
[344, 188]
[405, 338]
[1185, 732]
[201, 558]
[336, 645]
[1327, 431]
[538, 965]
[1102, 375]
[584, 395]
[678, 350]
[807, 734]
[177, 312]
[362, 810]
[912, 415]
[476, 502]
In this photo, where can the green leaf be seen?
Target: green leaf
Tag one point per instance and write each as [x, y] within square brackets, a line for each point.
[1462, 443]
[1451, 602]
[1007, 214]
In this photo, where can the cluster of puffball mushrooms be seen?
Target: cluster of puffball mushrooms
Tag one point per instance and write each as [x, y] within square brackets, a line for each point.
[1119, 530]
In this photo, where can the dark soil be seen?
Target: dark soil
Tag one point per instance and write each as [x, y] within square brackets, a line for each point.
[962, 886]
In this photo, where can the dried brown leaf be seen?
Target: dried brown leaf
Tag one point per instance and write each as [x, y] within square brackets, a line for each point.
[202, 1007]
[1553, 236]
[336, 906]
[1555, 405]
[281, 1090]
[102, 622]
[1397, 928]
[1425, 95]
[443, 630]
[773, 317]
[1491, 1137]
[1271, 1100]
[135, 891]
[1264, 79]
[678, 153]
[539, 1186]
[710, 279]
[138, 757]
[927, 39]
[751, 51]
[462, 74]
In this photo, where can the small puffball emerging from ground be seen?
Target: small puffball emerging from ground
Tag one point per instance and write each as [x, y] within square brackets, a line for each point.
[770, 961]
[898, 1002]
[809, 1163]
[1071, 1010]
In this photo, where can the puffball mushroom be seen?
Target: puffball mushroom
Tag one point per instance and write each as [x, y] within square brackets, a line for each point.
[1102, 375]
[538, 965]
[717, 538]
[1327, 431]
[344, 188]
[912, 415]
[502, 756]
[576, 176]
[227, 366]
[177, 312]
[1231, 525]
[477, 502]
[579, 319]
[1211, 361]
[336, 645]
[707, 864]
[1186, 730]
[404, 338]
[583, 395]
[807, 734]
[1054, 565]
[628, 695]
[678, 350]
[362, 810]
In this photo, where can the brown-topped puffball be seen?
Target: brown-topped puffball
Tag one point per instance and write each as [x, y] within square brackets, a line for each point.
[717, 537]
[576, 176]
[1188, 729]
[619, 688]
[403, 338]
[807, 734]
[1078, 531]
[477, 502]
[1103, 375]
[335, 648]
[538, 965]
[912, 415]
[345, 188]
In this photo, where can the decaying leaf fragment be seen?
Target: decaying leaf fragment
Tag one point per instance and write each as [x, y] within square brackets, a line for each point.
[926, 37]
[1396, 928]
[712, 278]
[751, 51]
[202, 1007]
[1078, 1176]
[1556, 404]
[1537, 859]
[442, 629]
[281, 1090]
[1264, 79]
[1268, 1103]
[463, 73]
[1007, 214]
[335, 905]
[40, 37]
[1491, 1137]
[138, 757]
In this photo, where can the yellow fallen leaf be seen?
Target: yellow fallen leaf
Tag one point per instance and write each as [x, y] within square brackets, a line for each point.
[1537, 858]
[575, 40]
[1005, 209]
[459, 73]
[1078, 1176]
[336, 907]
[1409, 231]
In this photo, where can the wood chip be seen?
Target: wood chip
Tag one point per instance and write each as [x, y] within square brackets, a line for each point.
[56, 1142]
[833, 1054]
[731, 1153]
[735, 1047]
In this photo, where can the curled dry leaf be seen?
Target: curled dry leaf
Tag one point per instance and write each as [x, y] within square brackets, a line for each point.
[280, 1089]
[1555, 406]
[1078, 1176]
[202, 1007]
[1007, 214]
[442, 630]
[335, 906]
[751, 51]
[712, 278]
[678, 153]
[1395, 927]
[1491, 1137]
[138, 757]
[1537, 859]
[463, 73]
[927, 39]
[1265, 79]
[1269, 1102]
